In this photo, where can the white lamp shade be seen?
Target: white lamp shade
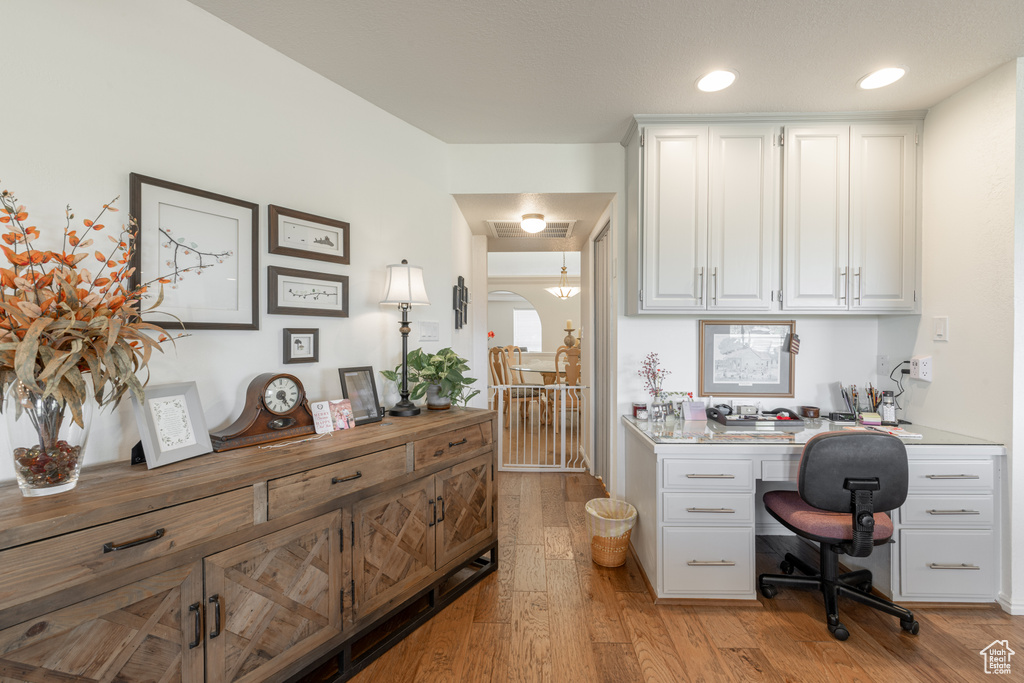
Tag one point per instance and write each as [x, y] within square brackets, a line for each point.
[404, 285]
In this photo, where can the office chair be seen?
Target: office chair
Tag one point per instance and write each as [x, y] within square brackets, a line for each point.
[847, 482]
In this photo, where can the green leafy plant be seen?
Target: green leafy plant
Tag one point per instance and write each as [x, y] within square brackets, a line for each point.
[445, 369]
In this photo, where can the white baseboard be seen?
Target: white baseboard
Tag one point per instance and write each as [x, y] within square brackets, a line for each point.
[1010, 607]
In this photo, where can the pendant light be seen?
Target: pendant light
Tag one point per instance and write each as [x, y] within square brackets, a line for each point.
[533, 222]
[563, 290]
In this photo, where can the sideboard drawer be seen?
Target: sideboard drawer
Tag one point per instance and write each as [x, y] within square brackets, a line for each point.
[705, 562]
[939, 564]
[35, 569]
[697, 475]
[947, 511]
[306, 489]
[451, 444]
[707, 508]
[954, 476]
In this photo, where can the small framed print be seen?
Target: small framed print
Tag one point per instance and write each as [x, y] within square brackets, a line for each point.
[294, 233]
[302, 345]
[304, 292]
[171, 424]
[357, 386]
[746, 358]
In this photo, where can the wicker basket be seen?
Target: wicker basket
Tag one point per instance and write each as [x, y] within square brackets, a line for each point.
[610, 523]
[610, 552]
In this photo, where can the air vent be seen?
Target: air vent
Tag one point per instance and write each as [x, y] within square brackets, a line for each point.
[511, 230]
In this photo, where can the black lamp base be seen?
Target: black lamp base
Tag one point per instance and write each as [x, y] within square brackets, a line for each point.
[404, 409]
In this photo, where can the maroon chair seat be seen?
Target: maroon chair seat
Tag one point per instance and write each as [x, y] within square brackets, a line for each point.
[817, 524]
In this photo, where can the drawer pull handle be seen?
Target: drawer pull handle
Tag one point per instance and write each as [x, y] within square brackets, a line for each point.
[336, 480]
[952, 476]
[453, 444]
[198, 636]
[441, 498]
[711, 563]
[433, 512]
[935, 565]
[111, 547]
[215, 601]
[953, 512]
[728, 511]
[710, 476]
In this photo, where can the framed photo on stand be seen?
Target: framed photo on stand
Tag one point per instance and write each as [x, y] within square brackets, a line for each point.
[358, 386]
[746, 358]
[171, 424]
[301, 345]
[200, 248]
[304, 235]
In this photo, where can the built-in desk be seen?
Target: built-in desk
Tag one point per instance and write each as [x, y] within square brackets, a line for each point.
[698, 491]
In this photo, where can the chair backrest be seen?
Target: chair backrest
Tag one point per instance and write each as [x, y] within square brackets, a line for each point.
[497, 368]
[833, 460]
[512, 355]
[570, 356]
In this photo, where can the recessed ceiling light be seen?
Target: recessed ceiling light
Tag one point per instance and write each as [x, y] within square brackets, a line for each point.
[882, 78]
[716, 80]
[533, 222]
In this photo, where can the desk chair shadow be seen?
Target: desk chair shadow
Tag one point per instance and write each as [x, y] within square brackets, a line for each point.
[847, 482]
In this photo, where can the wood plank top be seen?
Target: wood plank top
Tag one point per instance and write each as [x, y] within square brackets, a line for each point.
[116, 490]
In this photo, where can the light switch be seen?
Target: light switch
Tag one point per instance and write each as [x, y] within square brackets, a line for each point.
[430, 331]
[940, 328]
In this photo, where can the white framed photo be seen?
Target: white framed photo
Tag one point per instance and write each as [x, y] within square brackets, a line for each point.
[171, 424]
[304, 235]
[304, 292]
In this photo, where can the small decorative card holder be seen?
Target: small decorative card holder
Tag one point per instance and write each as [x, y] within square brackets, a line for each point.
[694, 410]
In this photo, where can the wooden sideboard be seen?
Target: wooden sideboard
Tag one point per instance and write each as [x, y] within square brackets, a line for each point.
[257, 564]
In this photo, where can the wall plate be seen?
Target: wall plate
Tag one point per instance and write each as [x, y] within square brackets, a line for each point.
[430, 330]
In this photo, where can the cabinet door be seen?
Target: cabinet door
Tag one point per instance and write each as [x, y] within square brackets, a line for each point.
[675, 218]
[141, 632]
[394, 543]
[273, 600]
[883, 216]
[815, 229]
[743, 217]
[464, 499]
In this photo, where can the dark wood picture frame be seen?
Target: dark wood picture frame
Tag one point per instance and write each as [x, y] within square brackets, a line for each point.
[289, 336]
[340, 228]
[365, 409]
[137, 182]
[782, 329]
[277, 307]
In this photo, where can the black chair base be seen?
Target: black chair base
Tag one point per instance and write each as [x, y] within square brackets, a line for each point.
[855, 585]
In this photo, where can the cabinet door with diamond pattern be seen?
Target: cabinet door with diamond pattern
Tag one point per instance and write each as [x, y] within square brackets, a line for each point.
[464, 507]
[394, 543]
[273, 600]
[145, 631]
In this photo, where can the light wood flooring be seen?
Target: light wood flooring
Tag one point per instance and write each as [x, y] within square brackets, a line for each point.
[550, 614]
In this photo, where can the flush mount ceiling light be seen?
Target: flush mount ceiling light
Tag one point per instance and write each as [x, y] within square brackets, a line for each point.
[882, 78]
[533, 222]
[563, 290]
[716, 80]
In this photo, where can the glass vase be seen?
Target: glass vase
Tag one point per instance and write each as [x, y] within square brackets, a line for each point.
[46, 443]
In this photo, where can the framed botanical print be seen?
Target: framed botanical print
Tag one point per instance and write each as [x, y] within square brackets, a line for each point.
[305, 235]
[357, 386]
[305, 292]
[746, 358]
[171, 424]
[301, 345]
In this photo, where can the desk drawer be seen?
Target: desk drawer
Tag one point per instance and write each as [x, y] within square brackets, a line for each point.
[708, 508]
[708, 561]
[306, 489]
[448, 445]
[697, 475]
[953, 476]
[948, 511]
[32, 570]
[948, 564]
[780, 470]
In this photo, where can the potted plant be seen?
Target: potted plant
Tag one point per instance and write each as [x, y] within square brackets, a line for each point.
[437, 376]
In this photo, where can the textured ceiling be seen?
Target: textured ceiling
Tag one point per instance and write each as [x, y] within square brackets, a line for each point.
[584, 208]
[568, 71]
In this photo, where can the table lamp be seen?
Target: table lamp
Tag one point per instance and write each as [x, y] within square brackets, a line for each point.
[404, 287]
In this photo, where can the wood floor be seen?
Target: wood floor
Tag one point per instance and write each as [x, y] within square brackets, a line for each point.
[550, 614]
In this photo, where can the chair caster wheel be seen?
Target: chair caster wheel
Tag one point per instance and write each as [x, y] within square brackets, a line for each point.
[839, 631]
[785, 567]
[770, 591]
[911, 627]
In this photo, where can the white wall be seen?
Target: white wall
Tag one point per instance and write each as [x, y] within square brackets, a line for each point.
[968, 275]
[165, 89]
[1015, 570]
[553, 312]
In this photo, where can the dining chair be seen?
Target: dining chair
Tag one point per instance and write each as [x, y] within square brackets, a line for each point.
[570, 357]
[509, 357]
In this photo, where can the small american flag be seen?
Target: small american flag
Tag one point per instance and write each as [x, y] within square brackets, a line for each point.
[794, 344]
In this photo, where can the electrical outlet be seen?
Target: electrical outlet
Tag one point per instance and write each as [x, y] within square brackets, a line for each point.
[921, 368]
[884, 365]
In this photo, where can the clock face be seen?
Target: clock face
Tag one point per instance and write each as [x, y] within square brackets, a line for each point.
[281, 395]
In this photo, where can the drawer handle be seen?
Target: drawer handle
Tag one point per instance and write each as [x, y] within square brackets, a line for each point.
[441, 498]
[336, 480]
[453, 444]
[952, 476]
[215, 601]
[935, 565]
[710, 476]
[111, 547]
[717, 510]
[433, 513]
[953, 512]
[711, 563]
[198, 636]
